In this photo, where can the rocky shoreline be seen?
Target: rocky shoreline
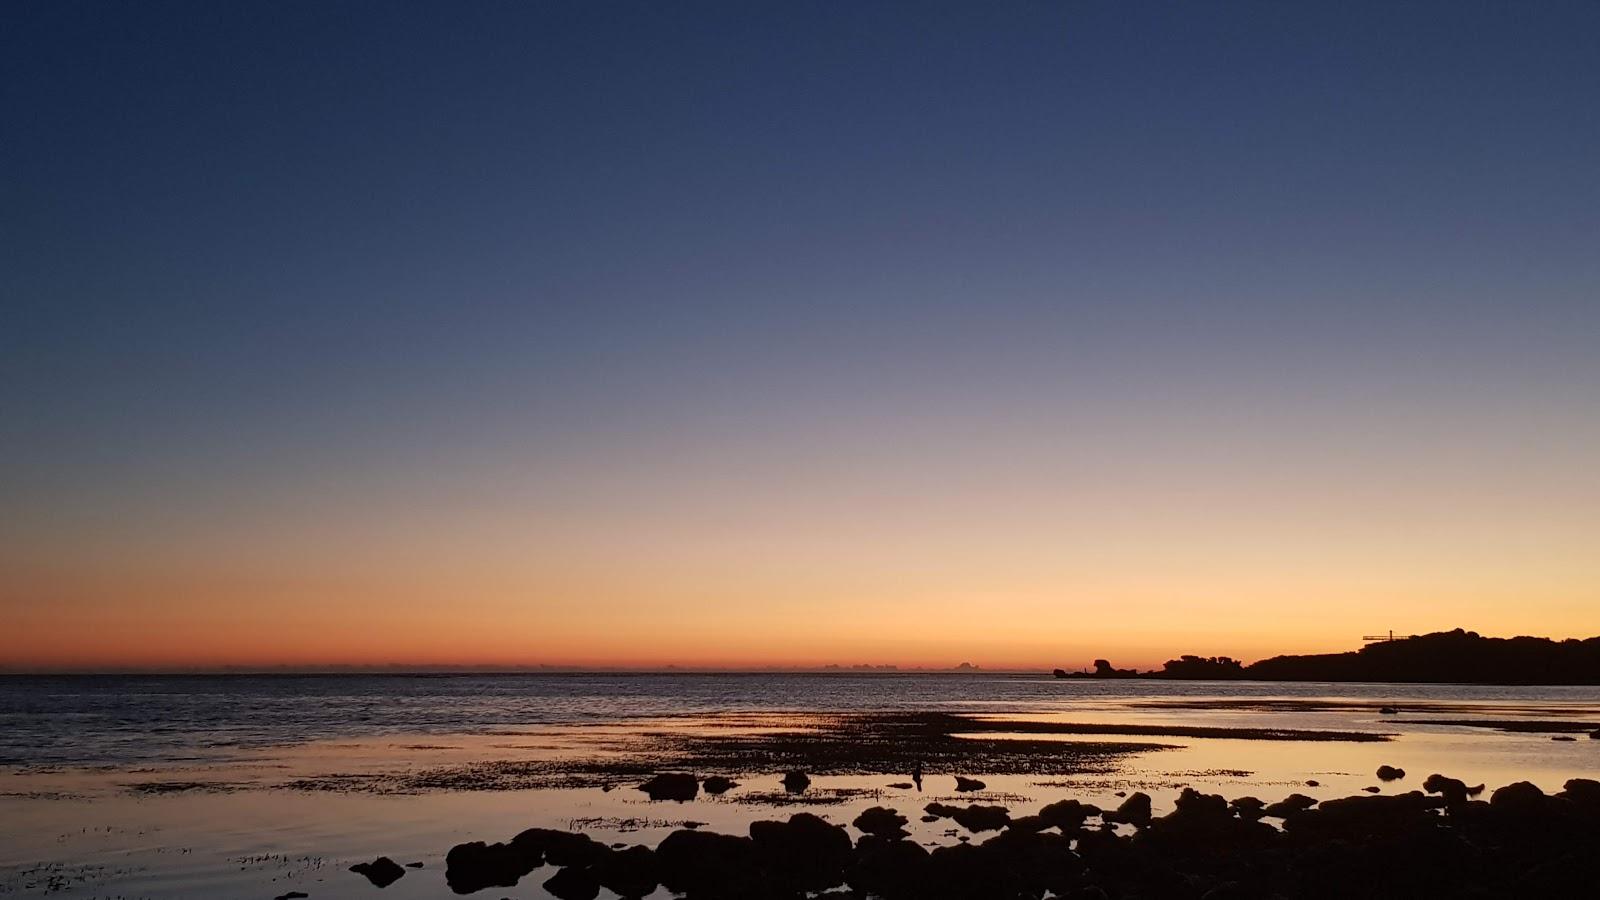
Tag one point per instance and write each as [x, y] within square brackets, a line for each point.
[1437, 842]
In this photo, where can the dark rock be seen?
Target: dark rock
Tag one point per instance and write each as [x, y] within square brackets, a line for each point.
[969, 784]
[562, 848]
[973, 818]
[1594, 735]
[1373, 789]
[885, 823]
[930, 818]
[413, 865]
[1311, 782]
[805, 854]
[1454, 790]
[292, 895]
[1248, 808]
[796, 782]
[901, 785]
[475, 865]
[718, 784]
[1390, 773]
[1200, 823]
[887, 868]
[630, 873]
[1067, 815]
[709, 865]
[1563, 737]
[1388, 711]
[1582, 791]
[382, 871]
[967, 872]
[1133, 811]
[1288, 806]
[573, 883]
[1521, 798]
[1363, 818]
[1043, 862]
[1029, 824]
[672, 786]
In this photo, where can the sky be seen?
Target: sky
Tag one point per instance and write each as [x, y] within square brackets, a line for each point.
[635, 334]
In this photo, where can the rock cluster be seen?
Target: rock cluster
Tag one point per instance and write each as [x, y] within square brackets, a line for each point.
[1521, 842]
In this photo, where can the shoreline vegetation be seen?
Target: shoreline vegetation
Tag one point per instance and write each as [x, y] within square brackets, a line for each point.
[1444, 657]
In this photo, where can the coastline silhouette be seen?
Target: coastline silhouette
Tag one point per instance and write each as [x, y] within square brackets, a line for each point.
[1444, 657]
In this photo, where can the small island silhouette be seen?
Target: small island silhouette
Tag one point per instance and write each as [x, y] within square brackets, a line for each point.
[1451, 657]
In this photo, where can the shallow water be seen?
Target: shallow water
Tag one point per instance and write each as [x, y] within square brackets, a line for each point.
[74, 753]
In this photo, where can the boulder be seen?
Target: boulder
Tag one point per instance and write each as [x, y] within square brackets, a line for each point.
[974, 818]
[885, 823]
[1454, 790]
[475, 865]
[805, 854]
[1288, 806]
[573, 883]
[887, 868]
[709, 865]
[1248, 808]
[1390, 773]
[677, 786]
[1366, 818]
[629, 873]
[969, 784]
[718, 784]
[1521, 798]
[1133, 811]
[562, 848]
[796, 782]
[382, 871]
[1582, 791]
[1068, 815]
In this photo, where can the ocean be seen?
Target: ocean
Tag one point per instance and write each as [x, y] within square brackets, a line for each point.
[255, 785]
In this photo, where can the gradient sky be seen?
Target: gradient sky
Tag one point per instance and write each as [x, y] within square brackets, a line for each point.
[760, 333]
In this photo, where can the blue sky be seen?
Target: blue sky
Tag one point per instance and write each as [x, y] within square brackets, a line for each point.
[375, 255]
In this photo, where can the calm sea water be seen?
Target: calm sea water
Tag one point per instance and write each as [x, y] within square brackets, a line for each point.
[78, 755]
[122, 720]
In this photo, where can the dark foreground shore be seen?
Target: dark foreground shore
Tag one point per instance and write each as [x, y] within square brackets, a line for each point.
[1441, 842]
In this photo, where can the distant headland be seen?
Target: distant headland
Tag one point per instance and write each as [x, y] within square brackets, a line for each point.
[1456, 657]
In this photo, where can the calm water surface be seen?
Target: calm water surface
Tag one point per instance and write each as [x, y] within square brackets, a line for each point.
[72, 749]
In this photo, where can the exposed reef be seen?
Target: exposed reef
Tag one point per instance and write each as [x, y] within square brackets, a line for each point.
[1520, 843]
